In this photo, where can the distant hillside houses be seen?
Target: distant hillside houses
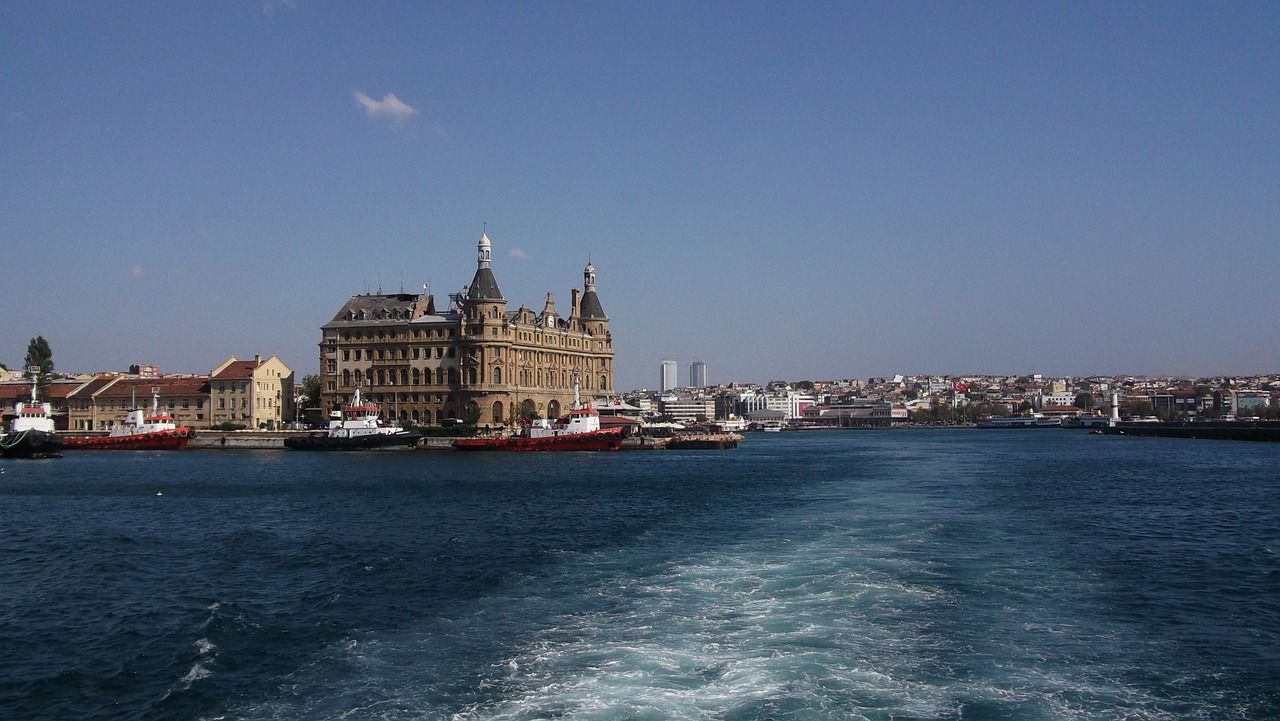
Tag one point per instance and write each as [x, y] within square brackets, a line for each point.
[897, 400]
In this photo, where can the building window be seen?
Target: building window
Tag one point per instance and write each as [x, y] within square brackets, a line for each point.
[497, 375]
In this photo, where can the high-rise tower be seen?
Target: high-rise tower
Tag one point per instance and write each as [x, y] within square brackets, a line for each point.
[670, 371]
[697, 374]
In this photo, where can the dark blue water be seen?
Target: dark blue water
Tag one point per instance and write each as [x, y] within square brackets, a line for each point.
[829, 575]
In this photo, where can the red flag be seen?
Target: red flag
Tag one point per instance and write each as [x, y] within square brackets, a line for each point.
[960, 387]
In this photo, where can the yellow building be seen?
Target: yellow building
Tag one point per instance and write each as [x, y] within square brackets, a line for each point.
[428, 366]
[256, 393]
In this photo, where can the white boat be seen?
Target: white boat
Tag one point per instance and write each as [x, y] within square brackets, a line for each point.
[358, 427]
[1087, 421]
[1032, 420]
[31, 432]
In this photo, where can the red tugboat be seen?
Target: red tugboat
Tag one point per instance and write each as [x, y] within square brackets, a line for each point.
[578, 431]
[140, 432]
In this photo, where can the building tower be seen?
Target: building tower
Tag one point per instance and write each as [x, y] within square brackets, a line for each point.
[475, 358]
[670, 371]
[697, 374]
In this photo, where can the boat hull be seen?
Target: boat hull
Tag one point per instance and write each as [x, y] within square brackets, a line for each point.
[605, 440]
[171, 439]
[30, 443]
[325, 442]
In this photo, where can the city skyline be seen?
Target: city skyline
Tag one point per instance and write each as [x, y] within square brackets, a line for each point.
[823, 192]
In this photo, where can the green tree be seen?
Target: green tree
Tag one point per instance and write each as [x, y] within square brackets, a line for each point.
[312, 412]
[39, 356]
[471, 415]
[1085, 401]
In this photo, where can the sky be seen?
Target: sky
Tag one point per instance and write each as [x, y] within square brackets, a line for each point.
[781, 190]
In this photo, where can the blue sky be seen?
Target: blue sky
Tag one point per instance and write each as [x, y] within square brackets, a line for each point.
[812, 190]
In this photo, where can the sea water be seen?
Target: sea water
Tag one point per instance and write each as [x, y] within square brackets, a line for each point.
[950, 574]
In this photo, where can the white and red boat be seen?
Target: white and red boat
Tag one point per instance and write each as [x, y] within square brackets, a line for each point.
[139, 432]
[31, 432]
[579, 430]
[359, 428]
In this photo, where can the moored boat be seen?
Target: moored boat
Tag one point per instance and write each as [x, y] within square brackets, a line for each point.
[579, 430]
[139, 432]
[358, 428]
[1033, 420]
[31, 433]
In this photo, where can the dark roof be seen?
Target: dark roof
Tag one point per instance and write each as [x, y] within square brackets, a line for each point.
[589, 307]
[371, 308]
[484, 286]
[95, 385]
[140, 388]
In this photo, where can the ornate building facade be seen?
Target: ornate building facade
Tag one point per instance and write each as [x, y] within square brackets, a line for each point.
[427, 366]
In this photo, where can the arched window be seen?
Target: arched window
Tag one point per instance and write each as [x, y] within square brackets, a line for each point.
[439, 376]
[497, 412]
[417, 378]
[382, 378]
[603, 384]
[404, 376]
[453, 376]
[346, 377]
[471, 376]
[359, 376]
[497, 375]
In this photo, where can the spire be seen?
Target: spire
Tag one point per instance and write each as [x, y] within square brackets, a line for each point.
[590, 308]
[483, 248]
[549, 316]
[484, 286]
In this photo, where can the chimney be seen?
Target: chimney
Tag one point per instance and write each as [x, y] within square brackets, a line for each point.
[574, 309]
[257, 360]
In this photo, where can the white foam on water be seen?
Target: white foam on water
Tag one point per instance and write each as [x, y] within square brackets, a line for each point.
[835, 627]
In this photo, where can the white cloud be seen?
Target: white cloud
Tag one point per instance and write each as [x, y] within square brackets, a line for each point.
[389, 107]
[517, 253]
[269, 6]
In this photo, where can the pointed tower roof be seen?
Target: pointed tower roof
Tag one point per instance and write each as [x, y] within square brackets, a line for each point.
[484, 286]
[590, 303]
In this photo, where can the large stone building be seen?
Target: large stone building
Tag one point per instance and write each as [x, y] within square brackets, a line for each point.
[427, 365]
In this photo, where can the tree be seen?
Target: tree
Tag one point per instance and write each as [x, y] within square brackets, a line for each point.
[471, 415]
[310, 387]
[1085, 401]
[40, 356]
